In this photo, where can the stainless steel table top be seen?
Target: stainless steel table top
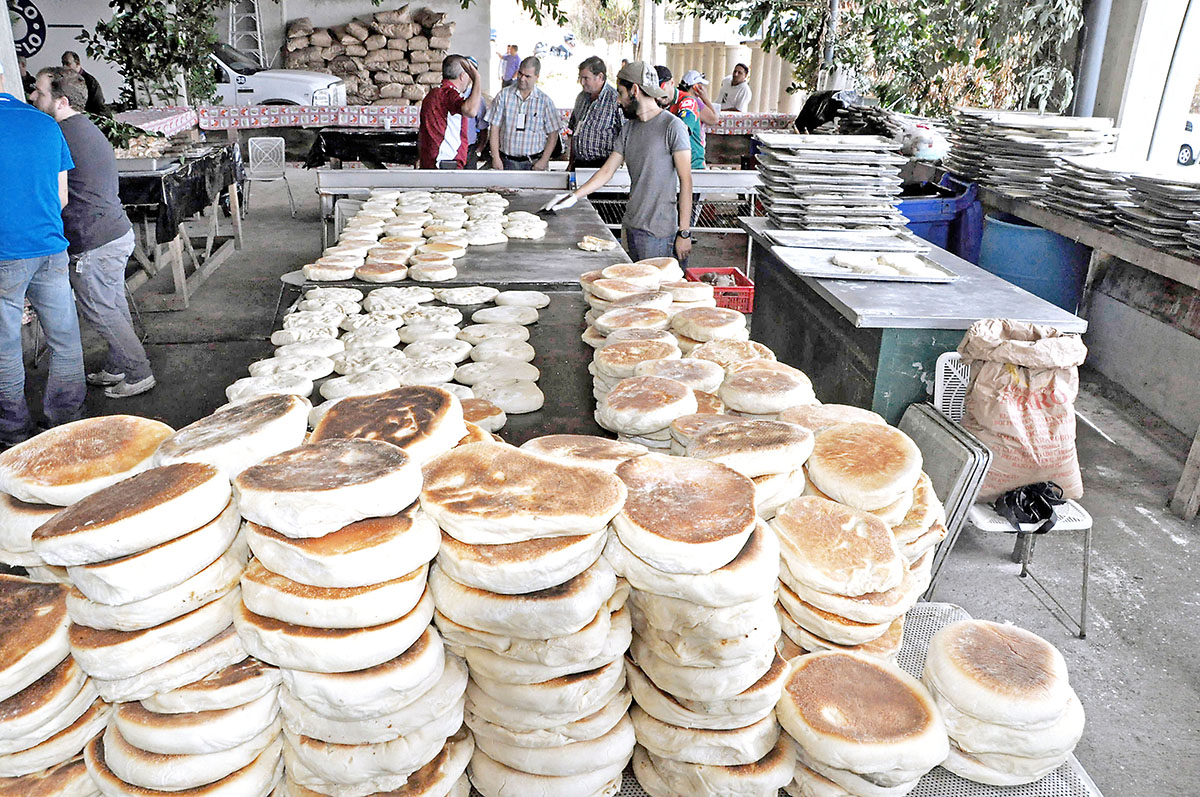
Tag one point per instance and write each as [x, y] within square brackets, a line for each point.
[555, 260]
[975, 295]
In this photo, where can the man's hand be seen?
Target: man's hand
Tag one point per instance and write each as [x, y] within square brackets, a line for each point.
[561, 202]
[497, 163]
[683, 247]
[702, 93]
[541, 165]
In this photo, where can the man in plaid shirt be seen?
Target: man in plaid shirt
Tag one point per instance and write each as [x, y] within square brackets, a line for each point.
[523, 122]
[596, 119]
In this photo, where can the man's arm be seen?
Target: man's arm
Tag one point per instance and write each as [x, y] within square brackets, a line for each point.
[708, 113]
[602, 176]
[494, 146]
[470, 106]
[683, 167]
[62, 189]
[543, 162]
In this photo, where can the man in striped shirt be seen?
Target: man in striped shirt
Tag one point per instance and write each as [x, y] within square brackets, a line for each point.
[523, 123]
[442, 141]
[596, 119]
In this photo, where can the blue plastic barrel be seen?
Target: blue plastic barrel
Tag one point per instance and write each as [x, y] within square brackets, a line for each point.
[1042, 262]
[951, 218]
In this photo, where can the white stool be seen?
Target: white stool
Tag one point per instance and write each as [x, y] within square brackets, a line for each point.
[1071, 517]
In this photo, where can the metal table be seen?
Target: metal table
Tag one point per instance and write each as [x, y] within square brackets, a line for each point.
[875, 344]
[553, 262]
[562, 357]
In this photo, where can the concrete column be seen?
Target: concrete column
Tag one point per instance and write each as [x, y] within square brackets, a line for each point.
[757, 68]
[788, 103]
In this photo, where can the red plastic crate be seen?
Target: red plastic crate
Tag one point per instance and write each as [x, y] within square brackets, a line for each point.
[740, 297]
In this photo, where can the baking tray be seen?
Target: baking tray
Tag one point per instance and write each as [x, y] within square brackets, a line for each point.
[848, 240]
[815, 263]
[146, 164]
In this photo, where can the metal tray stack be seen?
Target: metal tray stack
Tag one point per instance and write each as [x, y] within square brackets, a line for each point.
[830, 182]
[1018, 153]
[1091, 187]
[1160, 209]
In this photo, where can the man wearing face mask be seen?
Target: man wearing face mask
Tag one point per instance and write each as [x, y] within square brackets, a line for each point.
[442, 140]
[654, 145]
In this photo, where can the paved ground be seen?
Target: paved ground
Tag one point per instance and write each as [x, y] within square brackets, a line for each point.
[1136, 672]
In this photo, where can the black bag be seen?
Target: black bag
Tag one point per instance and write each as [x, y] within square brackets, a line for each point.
[1033, 503]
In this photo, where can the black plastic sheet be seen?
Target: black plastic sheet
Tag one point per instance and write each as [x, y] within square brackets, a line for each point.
[173, 196]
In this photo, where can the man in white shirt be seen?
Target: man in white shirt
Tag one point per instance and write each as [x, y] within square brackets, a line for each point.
[735, 91]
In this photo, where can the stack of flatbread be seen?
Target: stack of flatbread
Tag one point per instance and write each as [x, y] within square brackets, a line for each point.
[523, 593]
[337, 599]
[771, 453]
[728, 353]
[616, 361]
[843, 584]
[862, 727]
[629, 287]
[640, 409]
[703, 668]
[1009, 709]
[761, 389]
[60, 466]
[584, 449]
[699, 325]
[154, 562]
[868, 465]
[49, 708]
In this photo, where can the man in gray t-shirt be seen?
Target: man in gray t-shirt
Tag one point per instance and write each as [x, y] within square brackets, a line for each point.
[99, 235]
[655, 146]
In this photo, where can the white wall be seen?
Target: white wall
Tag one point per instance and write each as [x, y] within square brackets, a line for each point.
[66, 19]
[471, 35]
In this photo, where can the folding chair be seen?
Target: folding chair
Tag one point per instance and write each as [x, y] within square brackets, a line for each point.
[950, 390]
[266, 166]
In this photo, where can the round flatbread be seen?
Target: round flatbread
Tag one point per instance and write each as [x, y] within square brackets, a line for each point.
[515, 397]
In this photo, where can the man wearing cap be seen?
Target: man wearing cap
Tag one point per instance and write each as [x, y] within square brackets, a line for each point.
[523, 123]
[34, 162]
[691, 104]
[735, 90]
[654, 145]
[442, 139]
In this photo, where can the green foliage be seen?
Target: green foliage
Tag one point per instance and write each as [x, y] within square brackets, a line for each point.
[158, 48]
[614, 21]
[923, 56]
[119, 133]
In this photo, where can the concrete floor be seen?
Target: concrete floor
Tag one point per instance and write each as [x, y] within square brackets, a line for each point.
[1136, 673]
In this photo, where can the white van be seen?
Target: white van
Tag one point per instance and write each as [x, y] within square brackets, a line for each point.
[241, 81]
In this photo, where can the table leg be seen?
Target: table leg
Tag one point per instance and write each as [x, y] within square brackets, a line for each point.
[1186, 501]
[235, 212]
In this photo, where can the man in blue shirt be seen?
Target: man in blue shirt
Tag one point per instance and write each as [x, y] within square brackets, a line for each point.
[34, 162]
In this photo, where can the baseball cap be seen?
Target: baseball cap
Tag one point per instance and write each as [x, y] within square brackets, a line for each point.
[693, 77]
[642, 75]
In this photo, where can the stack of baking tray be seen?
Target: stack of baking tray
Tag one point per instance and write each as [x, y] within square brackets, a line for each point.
[956, 462]
[830, 182]
[1018, 154]
[1091, 187]
[1161, 205]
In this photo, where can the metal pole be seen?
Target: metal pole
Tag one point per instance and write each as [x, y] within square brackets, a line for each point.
[1091, 55]
[831, 34]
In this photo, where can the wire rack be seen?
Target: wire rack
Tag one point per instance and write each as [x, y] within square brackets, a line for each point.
[717, 215]
[923, 621]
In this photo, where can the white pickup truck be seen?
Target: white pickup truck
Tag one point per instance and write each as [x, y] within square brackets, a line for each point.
[241, 81]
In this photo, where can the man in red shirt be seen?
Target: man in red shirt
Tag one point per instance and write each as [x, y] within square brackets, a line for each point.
[442, 142]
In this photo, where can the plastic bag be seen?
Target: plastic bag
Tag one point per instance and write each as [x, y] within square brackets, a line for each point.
[1021, 403]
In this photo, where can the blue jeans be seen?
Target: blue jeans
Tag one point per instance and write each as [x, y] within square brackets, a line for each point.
[641, 244]
[44, 280]
[98, 277]
[521, 165]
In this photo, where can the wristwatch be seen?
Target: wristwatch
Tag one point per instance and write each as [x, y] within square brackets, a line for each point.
[684, 234]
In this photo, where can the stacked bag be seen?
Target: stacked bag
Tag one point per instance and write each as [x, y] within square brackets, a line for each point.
[862, 727]
[337, 598]
[525, 596]
[703, 669]
[49, 708]
[1004, 694]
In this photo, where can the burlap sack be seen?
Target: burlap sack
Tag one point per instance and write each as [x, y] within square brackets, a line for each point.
[1021, 403]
